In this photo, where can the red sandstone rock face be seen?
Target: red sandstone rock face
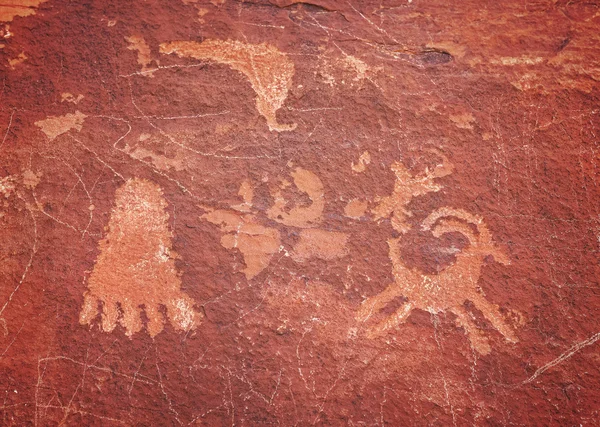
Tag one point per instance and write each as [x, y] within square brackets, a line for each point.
[299, 213]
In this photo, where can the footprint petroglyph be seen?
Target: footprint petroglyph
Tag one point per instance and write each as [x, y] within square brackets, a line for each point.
[269, 71]
[136, 267]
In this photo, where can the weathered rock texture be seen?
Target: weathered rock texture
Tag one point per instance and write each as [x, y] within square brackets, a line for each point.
[299, 213]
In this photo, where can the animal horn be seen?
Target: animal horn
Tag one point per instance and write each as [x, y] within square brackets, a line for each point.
[483, 239]
[458, 213]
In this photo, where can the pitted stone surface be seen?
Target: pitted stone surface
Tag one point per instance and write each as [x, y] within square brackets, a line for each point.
[299, 213]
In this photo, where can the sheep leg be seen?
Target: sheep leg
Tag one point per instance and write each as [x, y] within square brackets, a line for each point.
[392, 321]
[491, 313]
[476, 337]
[375, 303]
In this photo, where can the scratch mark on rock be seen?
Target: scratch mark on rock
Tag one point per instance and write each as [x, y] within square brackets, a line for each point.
[566, 355]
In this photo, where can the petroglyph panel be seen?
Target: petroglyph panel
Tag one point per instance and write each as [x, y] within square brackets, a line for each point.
[299, 213]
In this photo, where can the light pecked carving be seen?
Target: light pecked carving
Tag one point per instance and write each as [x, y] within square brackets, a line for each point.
[300, 216]
[269, 71]
[452, 287]
[136, 267]
[242, 231]
[406, 187]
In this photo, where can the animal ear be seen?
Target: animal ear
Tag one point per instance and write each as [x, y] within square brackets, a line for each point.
[500, 256]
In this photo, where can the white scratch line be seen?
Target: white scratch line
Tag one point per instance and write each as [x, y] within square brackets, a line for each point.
[280, 27]
[8, 128]
[195, 116]
[165, 67]
[591, 340]
[34, 250]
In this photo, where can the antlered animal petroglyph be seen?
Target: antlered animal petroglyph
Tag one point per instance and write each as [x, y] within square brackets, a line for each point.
[454, 285]
[406, 187]
[270, 71]
[136, 267]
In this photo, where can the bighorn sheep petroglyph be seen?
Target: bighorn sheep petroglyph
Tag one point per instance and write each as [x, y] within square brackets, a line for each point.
[447, 290]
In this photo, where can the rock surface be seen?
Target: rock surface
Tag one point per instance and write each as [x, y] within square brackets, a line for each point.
[299, 213]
